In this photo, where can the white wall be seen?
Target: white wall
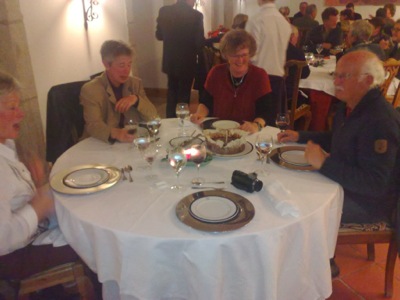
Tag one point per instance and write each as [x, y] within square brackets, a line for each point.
[61, 49]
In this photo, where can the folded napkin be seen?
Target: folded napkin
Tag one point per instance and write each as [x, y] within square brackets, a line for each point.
[281, 198]
[53, 236]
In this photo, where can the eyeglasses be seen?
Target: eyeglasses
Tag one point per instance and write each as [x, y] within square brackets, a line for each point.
[345, 76]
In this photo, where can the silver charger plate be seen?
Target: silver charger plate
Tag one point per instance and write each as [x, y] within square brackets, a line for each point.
[57, 182]
[289, 158]
[248, 147]
[244, 214]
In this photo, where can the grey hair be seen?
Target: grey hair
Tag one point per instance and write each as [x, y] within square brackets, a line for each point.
[373, 66]
[361, 30]
[8, 84]
[310, 9]
[112, 49]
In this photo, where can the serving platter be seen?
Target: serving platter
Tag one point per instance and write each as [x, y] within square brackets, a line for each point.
[85, 179]
[248, 148]
[232, 211]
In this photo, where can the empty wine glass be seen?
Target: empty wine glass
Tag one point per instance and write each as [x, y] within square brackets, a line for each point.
[154, 125]
[263, 146]
[177, 160]
[198, 154]
[282, 121]
[319, 48]
[182, 112]
[142, 140]
[149, 155]
[309, 57]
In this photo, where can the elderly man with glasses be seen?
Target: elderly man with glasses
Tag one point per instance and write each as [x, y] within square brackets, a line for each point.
[362, 153]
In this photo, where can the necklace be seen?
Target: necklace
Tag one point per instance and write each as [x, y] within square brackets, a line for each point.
[236, 83]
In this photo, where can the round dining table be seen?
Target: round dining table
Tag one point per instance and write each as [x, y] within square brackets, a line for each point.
[131, 236]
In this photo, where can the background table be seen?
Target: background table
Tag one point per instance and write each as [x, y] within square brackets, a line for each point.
[129, 234]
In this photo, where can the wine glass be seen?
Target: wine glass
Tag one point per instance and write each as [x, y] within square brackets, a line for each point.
[177, 160]
[309, 57]
[319, 48]
[198, 154]
[264, 145]
[149, 155]
[182, 112]
[154, 125]
[282, 121]
[142, 140]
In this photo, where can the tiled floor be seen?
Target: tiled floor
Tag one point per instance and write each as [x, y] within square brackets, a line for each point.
[360, 278]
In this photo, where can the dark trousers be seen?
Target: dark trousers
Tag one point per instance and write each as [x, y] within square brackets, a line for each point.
[179, 89]
[278, 92]
[30, 260]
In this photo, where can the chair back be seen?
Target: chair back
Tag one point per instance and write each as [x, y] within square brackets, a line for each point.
[293, 69]
[212, 57]
[65, 121]
[303, 32]
[396, 98]
[391, 67]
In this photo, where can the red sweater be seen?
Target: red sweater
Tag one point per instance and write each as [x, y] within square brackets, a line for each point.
[243, 106]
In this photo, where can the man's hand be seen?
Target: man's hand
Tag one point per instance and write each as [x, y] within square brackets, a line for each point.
[288, 136]
[122, 135]
[125, 103]
[196, 118]
[315, 155]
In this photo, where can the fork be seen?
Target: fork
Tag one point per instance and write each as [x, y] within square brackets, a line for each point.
[207, 187]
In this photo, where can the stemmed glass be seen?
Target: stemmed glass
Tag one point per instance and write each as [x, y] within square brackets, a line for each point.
[177, 160]
[154, 128]
[319, 48]
[142, 140]
[130, 125]
[182, 112]
[282, 121]
[150, 154]
[264, 145]
[198, 154]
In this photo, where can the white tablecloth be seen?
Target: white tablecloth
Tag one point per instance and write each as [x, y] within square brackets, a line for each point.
[129, 234]
[320, 78]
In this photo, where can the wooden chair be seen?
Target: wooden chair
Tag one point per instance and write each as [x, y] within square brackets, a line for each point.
[391, 67]
[395, 100]
[354, 236]
[294, 68]
[64, 274]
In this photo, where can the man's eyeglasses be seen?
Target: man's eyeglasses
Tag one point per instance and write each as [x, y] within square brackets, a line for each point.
[345, 76]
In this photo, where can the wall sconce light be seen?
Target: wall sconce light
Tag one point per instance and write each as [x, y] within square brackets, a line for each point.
[89, 14]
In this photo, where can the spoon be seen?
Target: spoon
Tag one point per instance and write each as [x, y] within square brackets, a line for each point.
[207, 187]
[208, 182]
[123, 174]
[128, 169]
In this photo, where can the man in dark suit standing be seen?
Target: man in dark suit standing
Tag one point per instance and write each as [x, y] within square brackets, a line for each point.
[180, 27]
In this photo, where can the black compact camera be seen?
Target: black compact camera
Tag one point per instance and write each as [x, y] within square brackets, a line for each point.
[246, 182]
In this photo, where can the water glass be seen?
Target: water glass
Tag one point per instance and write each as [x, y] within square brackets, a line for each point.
[182, 113]
[177, 160]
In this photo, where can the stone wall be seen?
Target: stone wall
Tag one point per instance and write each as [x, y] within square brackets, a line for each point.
[15, 60]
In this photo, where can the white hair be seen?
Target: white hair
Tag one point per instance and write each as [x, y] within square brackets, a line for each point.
[373, 66]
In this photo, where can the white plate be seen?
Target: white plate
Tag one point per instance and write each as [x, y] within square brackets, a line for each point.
[213, 209]
[245, 211]
[86, 178]
[294, 157]
[225, 124]
[277, 155]
[248, 147]
[58, 184]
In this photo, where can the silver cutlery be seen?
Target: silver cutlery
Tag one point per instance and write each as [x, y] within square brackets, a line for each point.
[128, 169]
[207, 187]
[123, 174]
[208, 182]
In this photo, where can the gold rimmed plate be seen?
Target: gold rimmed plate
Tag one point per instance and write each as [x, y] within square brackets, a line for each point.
[291, 157]
[232, 211]
[85, 179]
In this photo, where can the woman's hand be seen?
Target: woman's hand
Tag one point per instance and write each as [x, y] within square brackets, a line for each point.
[249, 127]
[196, 118]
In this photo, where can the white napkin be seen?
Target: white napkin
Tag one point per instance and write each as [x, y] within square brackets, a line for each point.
[53, 236]
[281, 198]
